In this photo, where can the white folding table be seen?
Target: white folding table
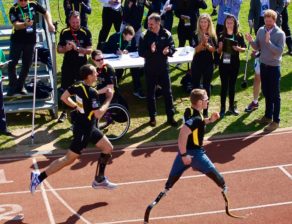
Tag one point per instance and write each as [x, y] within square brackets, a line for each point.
[133, 60]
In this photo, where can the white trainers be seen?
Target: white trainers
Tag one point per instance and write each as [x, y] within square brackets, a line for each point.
[105, 184]
[34, 181]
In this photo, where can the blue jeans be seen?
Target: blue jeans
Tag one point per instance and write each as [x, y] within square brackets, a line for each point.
[200, 162]
[270, 78]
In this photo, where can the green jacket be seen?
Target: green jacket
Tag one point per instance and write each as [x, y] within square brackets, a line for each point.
[2, 60]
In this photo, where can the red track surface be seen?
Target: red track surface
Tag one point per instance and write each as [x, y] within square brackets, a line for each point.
[258, 171]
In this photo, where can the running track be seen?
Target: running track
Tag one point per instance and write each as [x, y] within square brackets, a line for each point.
[257, 169]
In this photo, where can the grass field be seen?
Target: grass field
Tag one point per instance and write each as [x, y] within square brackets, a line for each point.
[139, 131]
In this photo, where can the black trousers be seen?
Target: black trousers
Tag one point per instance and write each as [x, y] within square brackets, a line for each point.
[136, 77]
[184, 33]
[2, 113]
[17, 50]
[69, 76]
[168, 20]
[202, 72]
[109, 17]
[286, 28]
[228, 76]
[160, 77]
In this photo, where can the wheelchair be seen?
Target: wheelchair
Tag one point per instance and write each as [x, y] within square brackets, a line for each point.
[115, 122]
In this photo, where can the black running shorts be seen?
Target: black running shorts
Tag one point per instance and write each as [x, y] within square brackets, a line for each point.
[81, 137]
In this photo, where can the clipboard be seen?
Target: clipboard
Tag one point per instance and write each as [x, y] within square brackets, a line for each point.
[228, 44]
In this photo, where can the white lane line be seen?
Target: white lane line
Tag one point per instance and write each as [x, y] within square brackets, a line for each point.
[201, 213]
[285, 172]
[160, 179]
[45, 197]
[66, 204]
[184, 177]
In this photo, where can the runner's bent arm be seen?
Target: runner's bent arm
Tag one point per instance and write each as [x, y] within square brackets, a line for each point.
[100, 112]
[66, 98]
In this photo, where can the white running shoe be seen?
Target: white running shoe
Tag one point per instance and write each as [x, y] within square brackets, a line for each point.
[105, 184]
[34, 181]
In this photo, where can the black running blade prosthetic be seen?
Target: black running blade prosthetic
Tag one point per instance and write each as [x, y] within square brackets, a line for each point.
[228, 211]
[155, 202]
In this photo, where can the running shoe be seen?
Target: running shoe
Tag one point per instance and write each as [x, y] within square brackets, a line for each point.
[139, 94]
[251, 107]
[62, 117]
[105, 184]
[34, 181]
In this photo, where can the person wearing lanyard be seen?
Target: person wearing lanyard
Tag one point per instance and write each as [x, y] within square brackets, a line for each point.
[187, 11]
[106, 77]
[75, 43]
[22, 41]
[226, 7]
[111, 15]
[82, 6]
[257, 11]
[231, 43]
[122, 43]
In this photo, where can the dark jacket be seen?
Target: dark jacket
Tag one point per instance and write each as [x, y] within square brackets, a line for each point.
[116, 42]
[189, 8]
[163, 39]
[133, 16]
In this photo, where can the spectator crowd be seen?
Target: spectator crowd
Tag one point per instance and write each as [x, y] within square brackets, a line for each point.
[216, 45]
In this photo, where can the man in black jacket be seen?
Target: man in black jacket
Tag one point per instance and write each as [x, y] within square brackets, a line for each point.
[156, 44]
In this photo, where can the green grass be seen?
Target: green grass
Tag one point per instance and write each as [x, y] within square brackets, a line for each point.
[139, 131]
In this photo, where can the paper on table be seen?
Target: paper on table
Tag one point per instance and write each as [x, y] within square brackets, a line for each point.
[134, 54]
[184, 51]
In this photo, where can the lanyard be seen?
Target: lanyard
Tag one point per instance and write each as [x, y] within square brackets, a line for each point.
[101, 68]
[75, 38]
[29, 12]
[120, 43]
[73, 7]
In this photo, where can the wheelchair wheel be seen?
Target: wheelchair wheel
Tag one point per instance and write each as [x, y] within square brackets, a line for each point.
[115, 122]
